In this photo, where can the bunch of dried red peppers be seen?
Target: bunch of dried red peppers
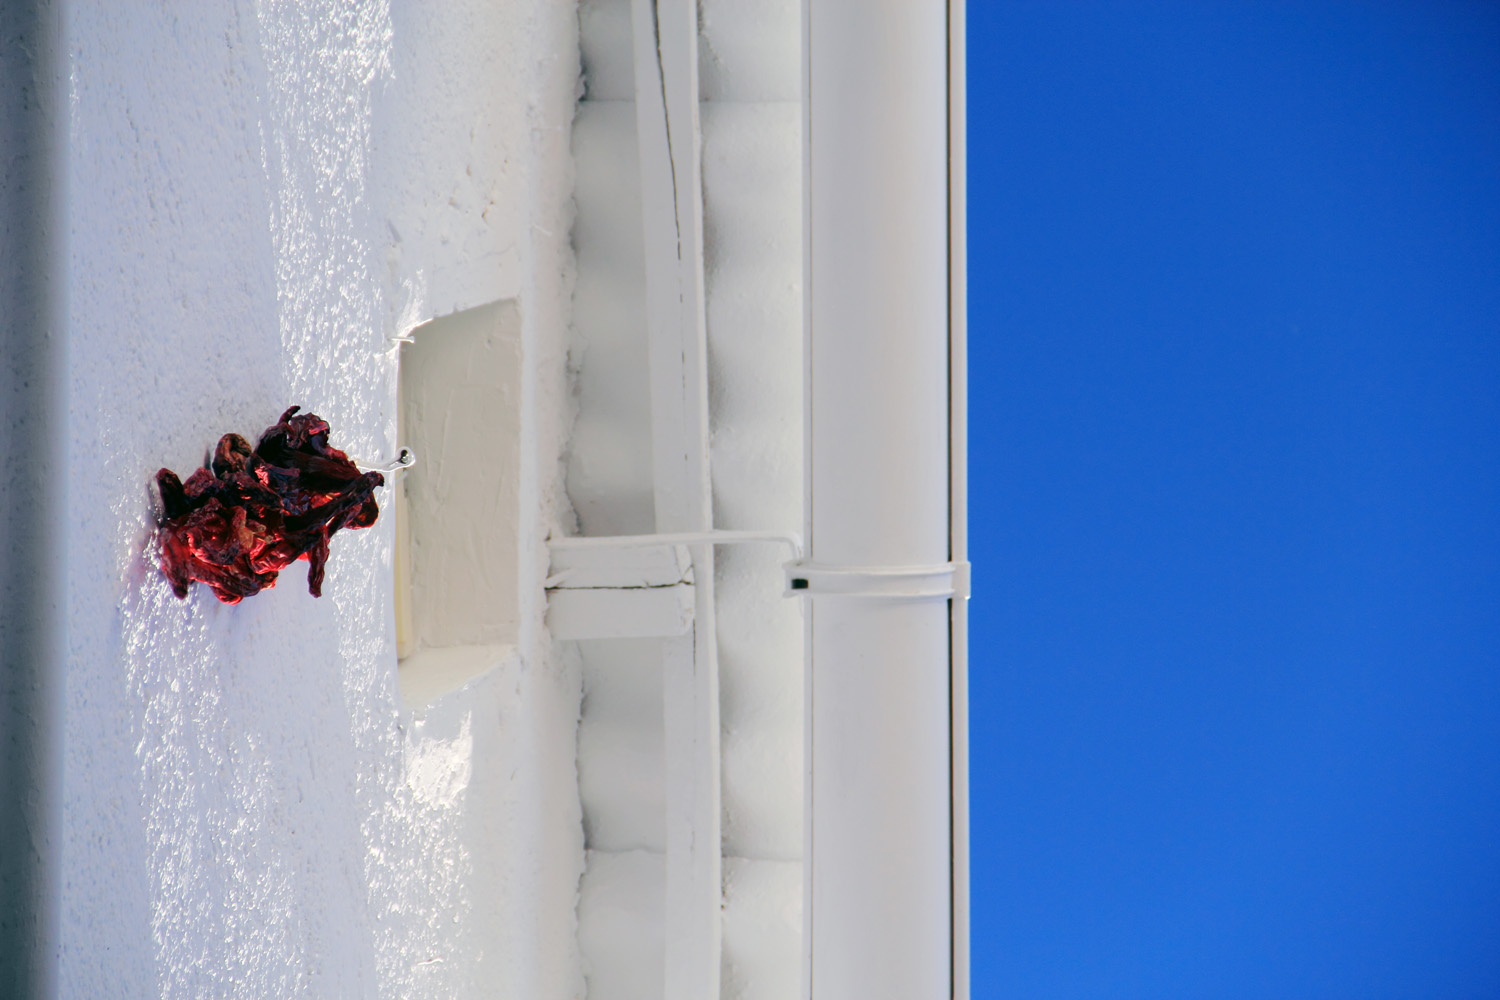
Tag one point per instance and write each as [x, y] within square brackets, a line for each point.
[235, 525]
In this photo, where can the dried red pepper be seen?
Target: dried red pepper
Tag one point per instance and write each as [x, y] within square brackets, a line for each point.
[252, 513]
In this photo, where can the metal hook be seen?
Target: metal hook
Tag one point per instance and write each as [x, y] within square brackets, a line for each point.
[404, 460]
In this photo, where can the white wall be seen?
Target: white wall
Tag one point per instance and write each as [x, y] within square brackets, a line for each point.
[260, 195]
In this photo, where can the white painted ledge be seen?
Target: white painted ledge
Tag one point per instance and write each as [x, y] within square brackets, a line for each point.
[430, 674]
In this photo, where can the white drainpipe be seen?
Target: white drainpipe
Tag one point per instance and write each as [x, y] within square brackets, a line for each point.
[33, 491]
[886, 905]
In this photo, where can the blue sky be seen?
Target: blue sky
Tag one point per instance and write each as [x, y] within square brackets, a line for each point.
[1235, 474]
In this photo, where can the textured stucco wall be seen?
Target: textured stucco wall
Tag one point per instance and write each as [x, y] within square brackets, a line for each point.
[262, 194]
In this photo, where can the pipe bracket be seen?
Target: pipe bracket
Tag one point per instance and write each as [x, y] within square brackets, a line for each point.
[910, 583]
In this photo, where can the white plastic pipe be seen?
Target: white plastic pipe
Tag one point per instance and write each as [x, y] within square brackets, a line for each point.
[880, 916]
[958, 437]
[33, 492]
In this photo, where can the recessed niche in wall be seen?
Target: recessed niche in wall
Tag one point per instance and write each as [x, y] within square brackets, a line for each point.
[458, 508]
